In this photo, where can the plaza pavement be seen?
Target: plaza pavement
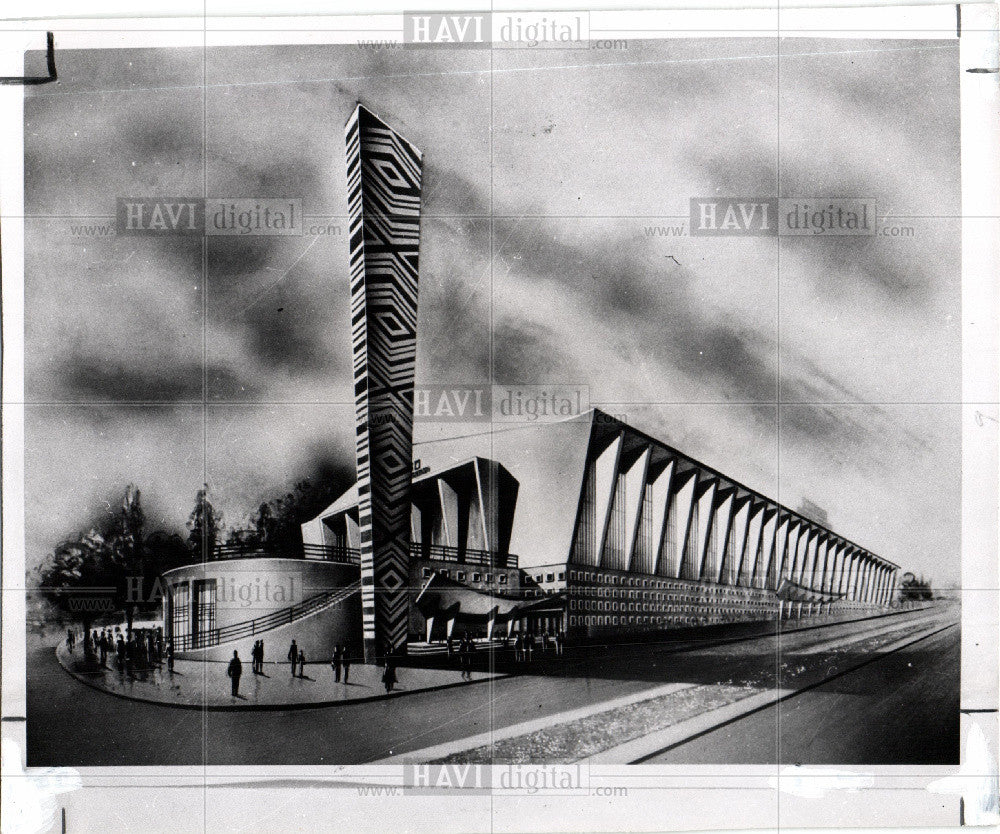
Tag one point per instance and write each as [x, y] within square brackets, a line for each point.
[205, 685]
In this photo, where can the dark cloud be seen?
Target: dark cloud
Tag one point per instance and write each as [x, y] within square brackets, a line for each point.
[90, 378]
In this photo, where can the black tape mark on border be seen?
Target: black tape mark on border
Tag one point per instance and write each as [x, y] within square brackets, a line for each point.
[50, 59]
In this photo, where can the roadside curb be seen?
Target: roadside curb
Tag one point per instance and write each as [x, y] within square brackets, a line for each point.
[440, 751]
[82, 678]
[639, 749]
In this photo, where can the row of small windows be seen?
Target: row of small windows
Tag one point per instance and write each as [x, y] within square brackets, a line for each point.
[614, 620]
[672, 606]
[461, 576]
[660, 584]
[550, 577]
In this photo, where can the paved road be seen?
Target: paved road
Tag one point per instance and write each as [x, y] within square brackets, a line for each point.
[71, 724]
[903, 705]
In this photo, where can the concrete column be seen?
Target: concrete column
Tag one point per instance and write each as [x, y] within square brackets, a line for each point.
[510, 627]
[450, 627]
[430, 626]
[851, 568]
[489, 628]
[869, 581]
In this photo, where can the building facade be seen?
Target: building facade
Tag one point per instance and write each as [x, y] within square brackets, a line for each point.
[628, 533]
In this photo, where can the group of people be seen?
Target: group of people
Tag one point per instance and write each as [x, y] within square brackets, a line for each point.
[136, 651]
[341, 663]
[257, 657]
[524, 645]
[297, 658]
[466, 652]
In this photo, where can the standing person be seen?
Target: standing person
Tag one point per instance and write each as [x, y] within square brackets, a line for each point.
[389, 675]
[103, 646]
[529, 646]
[560, 640]
[302, 663]
[470, 654]
[293, 656]
[120, 653]
[338, 657]
[234, 671]
[545, 641]
[169, 649]
[70, 640]
[346, 659]
[518, 648]
[260, 657]
[451, 646]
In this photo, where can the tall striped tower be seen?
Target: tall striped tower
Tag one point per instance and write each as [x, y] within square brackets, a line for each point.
[383, 183]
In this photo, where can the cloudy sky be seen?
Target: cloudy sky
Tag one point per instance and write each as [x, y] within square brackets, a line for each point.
[825, 368]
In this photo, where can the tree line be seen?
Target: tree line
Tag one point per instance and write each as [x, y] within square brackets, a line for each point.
[114, 567]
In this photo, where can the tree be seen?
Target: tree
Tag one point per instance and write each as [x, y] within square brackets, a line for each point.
[81, 577]
[128, 547]
[204, 525]
[913, 589]
[265, 526]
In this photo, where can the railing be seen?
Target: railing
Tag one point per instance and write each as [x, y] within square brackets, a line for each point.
[352, 556]
[470, 556]
[329, 553]
[258, 625]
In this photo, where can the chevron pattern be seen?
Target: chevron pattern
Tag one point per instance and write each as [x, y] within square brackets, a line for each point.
[383, 182]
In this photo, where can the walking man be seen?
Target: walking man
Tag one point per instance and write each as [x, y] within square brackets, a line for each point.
[234, 671]
[389, 675]
[293, 656]
[470, 653]
[338, 657]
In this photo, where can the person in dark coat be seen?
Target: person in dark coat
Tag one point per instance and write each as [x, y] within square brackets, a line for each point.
[260, 657]
[302, 663]
[169, 650]
[470, 653]
[518, 648]
[560, 642]
[120, 653]
[389, 675]
[338, 659]
[70, 640]
[346, 660]
[234, 671]
[293, 656]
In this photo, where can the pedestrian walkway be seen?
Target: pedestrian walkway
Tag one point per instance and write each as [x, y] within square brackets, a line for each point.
[197, 684]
